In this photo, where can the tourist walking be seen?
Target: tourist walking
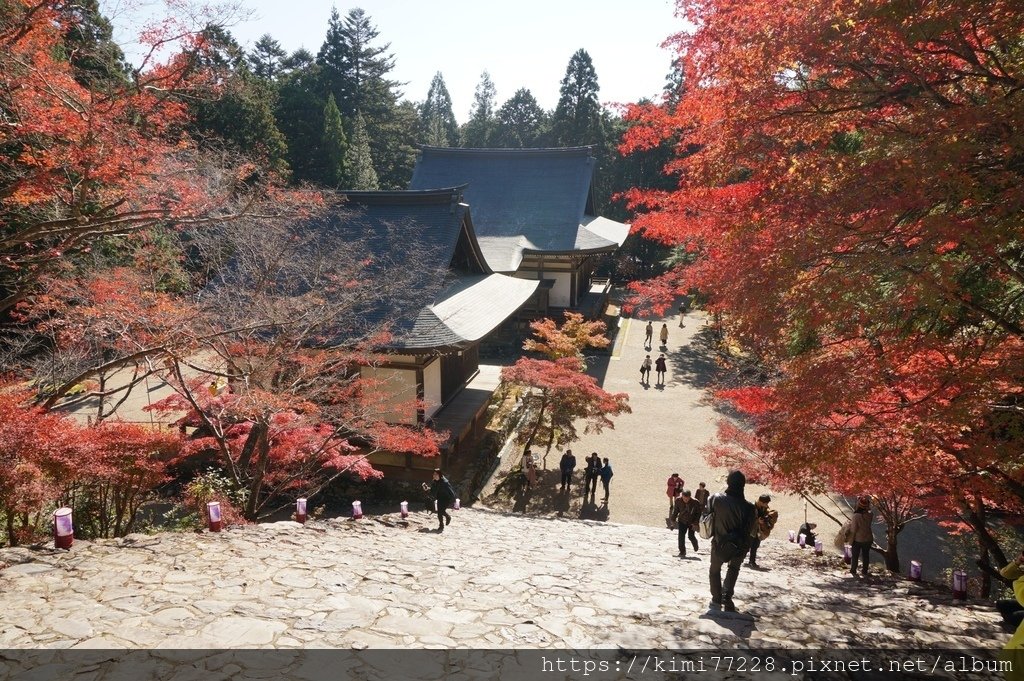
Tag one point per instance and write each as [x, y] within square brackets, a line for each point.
[659, 366]
[861, 536]
[733, 523]
[686, 514]
[673, 487]
[444, 496]
[606, 476]
[645, 370]
[701, 495]
[529, 469]
[684, 307]
[664, 335]
[766, 519]
[567, 465]
[649, 336]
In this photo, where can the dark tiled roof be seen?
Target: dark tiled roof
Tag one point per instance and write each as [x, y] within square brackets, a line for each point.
[415, 234]
[523, 200]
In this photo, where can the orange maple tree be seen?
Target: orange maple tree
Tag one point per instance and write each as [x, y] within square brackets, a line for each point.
[83, 159]
[850, 185]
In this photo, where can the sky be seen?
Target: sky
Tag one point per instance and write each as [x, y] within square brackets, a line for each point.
[526, 43]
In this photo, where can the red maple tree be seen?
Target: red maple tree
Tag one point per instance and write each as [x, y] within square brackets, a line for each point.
[850, 183]
[86, 159]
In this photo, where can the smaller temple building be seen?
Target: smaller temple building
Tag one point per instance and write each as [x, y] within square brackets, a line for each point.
[432, 372]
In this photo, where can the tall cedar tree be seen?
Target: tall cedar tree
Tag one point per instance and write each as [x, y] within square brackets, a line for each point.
[854, 206]
[355, 71]
[478, 131]
[521, 123]
[436, 116]
[335, 145]
[577, 120]
[359, 159]
[299, 113]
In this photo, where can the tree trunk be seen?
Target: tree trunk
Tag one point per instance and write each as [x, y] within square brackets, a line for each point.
[536, 425]
[12, 538]
[262, 457]
[891, 552]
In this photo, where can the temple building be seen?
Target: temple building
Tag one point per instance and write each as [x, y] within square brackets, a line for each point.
[452, 299]
[534, 215]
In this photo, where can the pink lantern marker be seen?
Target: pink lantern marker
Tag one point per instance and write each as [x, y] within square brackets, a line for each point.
[792, 536]
[915, 570]
[457, 505]
[847, 554]
[300, 510]
[63, 528]
[802, 540]
[357, 510]
[213, 516]
[959, 584]
[819, 548]
[404, 506]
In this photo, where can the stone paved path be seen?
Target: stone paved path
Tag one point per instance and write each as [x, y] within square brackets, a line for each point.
[491, 580]
[664, 434]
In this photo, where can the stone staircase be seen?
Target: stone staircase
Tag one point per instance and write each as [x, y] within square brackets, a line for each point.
[490, 580]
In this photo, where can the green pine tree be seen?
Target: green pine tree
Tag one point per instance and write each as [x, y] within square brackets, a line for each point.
[577, 119]
[521, 123]
[478, 131]
[359, 159]
[266, 57]
[335, 146]
[437, 117]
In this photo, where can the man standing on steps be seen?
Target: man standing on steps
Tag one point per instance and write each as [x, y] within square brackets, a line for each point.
[733, 522]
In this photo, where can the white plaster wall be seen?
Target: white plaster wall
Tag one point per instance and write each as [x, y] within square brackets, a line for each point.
[432, 386]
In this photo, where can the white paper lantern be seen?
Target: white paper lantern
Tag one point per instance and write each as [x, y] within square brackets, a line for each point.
[63, 528]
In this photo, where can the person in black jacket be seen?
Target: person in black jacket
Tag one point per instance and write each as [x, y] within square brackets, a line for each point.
[567, 465]
[686, 514]
[733, 525]
[444, 494]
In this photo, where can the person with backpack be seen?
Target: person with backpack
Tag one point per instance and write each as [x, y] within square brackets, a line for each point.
[444, 495]
[686, 514]
[733, 522]
[766, 519]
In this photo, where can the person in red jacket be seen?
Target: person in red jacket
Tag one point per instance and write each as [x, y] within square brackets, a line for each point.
[673, 486]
